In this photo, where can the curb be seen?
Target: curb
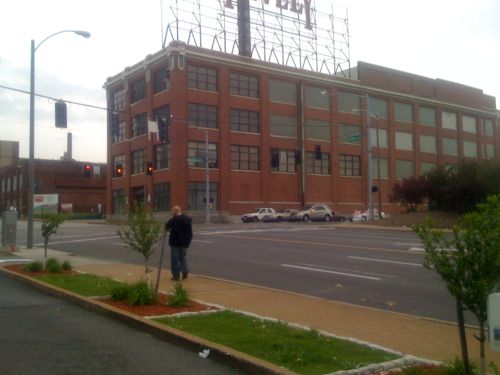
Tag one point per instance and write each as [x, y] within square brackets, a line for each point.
[219, 353]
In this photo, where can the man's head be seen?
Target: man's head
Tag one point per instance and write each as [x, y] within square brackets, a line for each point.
[176, 210]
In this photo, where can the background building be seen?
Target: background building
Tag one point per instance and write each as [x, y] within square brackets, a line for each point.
[280, 136]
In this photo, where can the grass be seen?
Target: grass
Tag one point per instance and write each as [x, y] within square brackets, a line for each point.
[87, 285]
[302, 351]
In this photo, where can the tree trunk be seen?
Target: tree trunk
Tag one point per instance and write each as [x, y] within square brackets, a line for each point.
[45, 245]
[461, 333]
[482, 339]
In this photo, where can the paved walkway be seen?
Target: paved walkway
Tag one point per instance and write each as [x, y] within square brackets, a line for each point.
[421, 337]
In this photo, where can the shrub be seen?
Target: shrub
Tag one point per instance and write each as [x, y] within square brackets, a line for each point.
[120, 292]
[180, 297]
[141, 294]
[34, 267]
[66, 266]
[53, 265]
[456, 367]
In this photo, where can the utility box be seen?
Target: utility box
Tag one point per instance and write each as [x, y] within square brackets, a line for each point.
[9, 229]
[494, 321]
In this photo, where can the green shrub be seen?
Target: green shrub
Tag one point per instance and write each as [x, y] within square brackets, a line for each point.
[456, 367]
[141, 294]
[66, 266]
[120, 292]
[180, 297]
[53, 265]
[34, 267]
[495, 369]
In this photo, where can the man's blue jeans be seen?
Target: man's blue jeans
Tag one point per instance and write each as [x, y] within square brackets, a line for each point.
[178, 262]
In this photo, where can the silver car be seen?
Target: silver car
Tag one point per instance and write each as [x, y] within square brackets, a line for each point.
[315, 212]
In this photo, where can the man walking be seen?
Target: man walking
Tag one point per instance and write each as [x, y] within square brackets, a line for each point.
[181, 234]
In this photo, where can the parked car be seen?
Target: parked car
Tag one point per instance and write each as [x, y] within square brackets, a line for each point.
[283, 215]
[258, 215]
[314, 212]
[364, 216]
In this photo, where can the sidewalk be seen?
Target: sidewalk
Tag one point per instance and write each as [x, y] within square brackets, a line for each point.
[421, 337]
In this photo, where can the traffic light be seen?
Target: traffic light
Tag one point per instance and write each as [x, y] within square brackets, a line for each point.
[61, 114]
[162, 130]
[149, 168]
[298, 158]
[87, 170]
[317, 152]
[118, 170]
[275, 159]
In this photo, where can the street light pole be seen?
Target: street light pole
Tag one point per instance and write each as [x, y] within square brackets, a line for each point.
[369, 155]
[207, 182]
[31, 161]
[378, 170]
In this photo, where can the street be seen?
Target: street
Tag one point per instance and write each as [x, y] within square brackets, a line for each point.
[372, 267]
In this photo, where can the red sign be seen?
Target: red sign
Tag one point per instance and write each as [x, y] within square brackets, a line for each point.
[292, 5]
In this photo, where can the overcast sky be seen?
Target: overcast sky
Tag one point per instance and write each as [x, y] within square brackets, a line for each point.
[456, 40]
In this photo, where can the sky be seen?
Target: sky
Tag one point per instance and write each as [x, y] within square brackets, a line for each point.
[455, 40]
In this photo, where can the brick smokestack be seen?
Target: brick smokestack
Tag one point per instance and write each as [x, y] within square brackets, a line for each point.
[244, 37]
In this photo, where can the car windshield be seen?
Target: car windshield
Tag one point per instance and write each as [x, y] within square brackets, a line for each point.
[257, 210]
[308, 207]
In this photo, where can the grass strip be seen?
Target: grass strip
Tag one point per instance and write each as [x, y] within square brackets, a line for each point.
[305, 352]
[87, 285]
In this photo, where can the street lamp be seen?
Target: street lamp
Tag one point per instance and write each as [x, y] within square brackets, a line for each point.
[31, 161]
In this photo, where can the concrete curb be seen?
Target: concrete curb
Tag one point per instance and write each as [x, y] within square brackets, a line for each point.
[219, 353]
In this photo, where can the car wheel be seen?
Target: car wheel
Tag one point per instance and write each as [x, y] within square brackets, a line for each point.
[328, 217]
[279, 219]
[364, 218]
[255, 219]
[306, 218]
[342, 219]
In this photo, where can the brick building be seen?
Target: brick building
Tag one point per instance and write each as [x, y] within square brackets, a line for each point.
[62, 177]
[279, 136]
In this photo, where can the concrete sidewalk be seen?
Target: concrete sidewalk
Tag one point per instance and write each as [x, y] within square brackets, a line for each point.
[421, 337]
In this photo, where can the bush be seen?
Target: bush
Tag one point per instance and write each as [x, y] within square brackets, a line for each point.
[120, 292]
[180, 297]
[34, 267]
[66, 266]
[457, 367]
[53, 265]
[141, 294]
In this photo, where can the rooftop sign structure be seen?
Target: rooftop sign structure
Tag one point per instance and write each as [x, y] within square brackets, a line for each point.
[293, 33]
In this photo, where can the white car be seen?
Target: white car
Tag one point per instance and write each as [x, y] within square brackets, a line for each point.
[258, 215]
[365, 216]
[314, 212]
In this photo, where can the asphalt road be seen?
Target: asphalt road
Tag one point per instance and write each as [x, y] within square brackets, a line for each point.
[371, 267]
[44, 335]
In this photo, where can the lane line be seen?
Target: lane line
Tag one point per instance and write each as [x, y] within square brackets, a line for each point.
[386, 261]
[416, 244]
[350, 270]
[80, 240]
[203, 241]
[15, 260]
[334, 272]
[420, 249]
[236, 231]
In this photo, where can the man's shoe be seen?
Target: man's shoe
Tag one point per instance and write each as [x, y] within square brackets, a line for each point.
[174, 279]
[184, 275]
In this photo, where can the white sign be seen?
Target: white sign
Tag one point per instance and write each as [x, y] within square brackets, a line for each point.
[45, 202]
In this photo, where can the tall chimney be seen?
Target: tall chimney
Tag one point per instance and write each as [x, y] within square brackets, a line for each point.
[69, 148]
[244, 37]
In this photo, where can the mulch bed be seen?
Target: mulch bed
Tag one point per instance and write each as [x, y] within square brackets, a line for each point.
[158, 309]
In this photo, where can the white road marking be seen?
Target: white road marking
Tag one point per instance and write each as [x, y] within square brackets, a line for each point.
[15, 260]
[417, 244]
[334, 272]
[386, 261]
[80, 240]
[416, 249]
[235, 231]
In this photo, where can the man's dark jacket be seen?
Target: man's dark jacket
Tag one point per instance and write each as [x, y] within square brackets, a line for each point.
[181, 231]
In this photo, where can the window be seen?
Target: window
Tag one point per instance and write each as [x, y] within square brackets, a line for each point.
[469, 124]
[349, 103]
[470, 149]
[428, 143]
[244, 121]
[404, 141]
[119, 100]
[118, 129]
[314, 166]
[282, 92]
[382, 138]
[139, 124]
[119, 200]
[404, 168]
[317, 97]
[349, 134]
[450, 146]
[427, 166]
[202, 115]
[138, 161]
[138, 91]
[118, 159]
[384, 167]
[403, 112]
[349, 165]
[488, 151]
[285, 126]
[286, 160]
[162, 197]
[202, 78]
[162, 156]
[243, 85]
[379, 107]
[197, 196]
[317, 129]
[162, 113]
[244, 158]
[449, 120]
[197, 154]
[488, 127]
[427, 116]
[161, 80]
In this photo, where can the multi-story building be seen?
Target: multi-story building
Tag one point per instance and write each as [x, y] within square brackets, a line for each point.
[282, 137]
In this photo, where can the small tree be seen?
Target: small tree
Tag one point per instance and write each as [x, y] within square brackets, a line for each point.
[471, 269]
[50, 224]
[410, 192]
[142, 234]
